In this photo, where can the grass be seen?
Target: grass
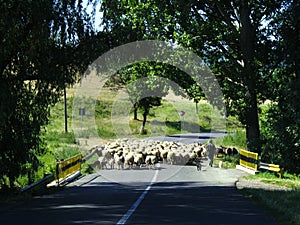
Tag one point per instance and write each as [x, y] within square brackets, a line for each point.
[283, 206]
[235, 138]
[289, 181]
[227, 161]
[114, 118]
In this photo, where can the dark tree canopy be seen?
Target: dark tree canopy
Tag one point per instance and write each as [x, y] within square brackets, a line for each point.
[41, 54]
[281, 127]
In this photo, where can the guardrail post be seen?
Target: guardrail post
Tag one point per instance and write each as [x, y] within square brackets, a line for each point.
[281, 173]
[248, 161]
[57, 171]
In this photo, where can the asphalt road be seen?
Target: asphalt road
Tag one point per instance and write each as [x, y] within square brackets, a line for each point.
[202, 137]
[164, 195]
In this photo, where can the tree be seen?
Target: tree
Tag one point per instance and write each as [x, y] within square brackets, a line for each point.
[233, 39]
[282, 124]
[144, 84]
[40, 55]
[231, 36]
[129, 21]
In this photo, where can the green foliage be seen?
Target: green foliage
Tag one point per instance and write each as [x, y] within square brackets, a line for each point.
[162, 120]
[38, 59]
[236, 138]
[227, 161]
[103, 108]
[280, 121]
[60, 137]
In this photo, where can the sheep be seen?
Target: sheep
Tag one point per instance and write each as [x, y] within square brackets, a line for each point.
[102, 162]
[220, 150]
[204, 153]
[138, 159]
[119, 160]
[226, 151]
[129, 160]
[150, 161]
[111, 163]
[164, 155]
[199, 151]
[95, 164]
[128, 153]
[178, 158]
[99, 151]
[185, 157]
[235, 151]
[171, 157]
[198, 164]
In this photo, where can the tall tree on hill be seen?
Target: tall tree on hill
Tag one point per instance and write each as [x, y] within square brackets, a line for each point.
[129, 21]
[145, 87]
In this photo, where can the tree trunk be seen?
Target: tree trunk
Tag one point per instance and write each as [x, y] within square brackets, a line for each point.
[144, 123]
[252, 125]
[65, 110]
[297, 27]
[247, 41]
[135, 109]
[29, 176]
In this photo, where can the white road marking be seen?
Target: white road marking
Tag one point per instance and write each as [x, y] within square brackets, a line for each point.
[126, 216]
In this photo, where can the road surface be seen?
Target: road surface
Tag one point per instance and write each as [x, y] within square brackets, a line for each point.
[188, 138]
[164, 195]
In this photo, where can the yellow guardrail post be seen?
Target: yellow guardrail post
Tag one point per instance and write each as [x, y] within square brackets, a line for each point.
[67, 167]
[249, 159]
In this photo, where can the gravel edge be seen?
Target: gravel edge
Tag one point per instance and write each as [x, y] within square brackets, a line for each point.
[243, 183]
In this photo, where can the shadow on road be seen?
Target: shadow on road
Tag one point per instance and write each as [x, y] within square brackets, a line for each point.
[173, 203]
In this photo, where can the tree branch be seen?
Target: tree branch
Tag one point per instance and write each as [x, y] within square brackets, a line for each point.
[226, 18]
[197, 14]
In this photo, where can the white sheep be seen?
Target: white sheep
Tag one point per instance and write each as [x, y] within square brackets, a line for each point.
[129, 160]
[171, 157]
[138, 159]
[119, 160]
[102, 162]
[150, 161]
[164, 155]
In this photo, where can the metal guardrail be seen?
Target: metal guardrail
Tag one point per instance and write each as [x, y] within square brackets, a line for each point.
[65, 170]
[68, 167]
[39, 184]
[272, 167]
[249, 159]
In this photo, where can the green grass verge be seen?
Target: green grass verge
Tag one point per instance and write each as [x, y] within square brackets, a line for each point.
[227, 161]
[282, 205]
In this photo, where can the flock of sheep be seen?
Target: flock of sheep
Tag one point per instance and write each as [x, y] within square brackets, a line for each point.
[137, 153]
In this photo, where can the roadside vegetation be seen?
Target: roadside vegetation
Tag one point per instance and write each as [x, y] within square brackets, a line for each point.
[282, 205]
